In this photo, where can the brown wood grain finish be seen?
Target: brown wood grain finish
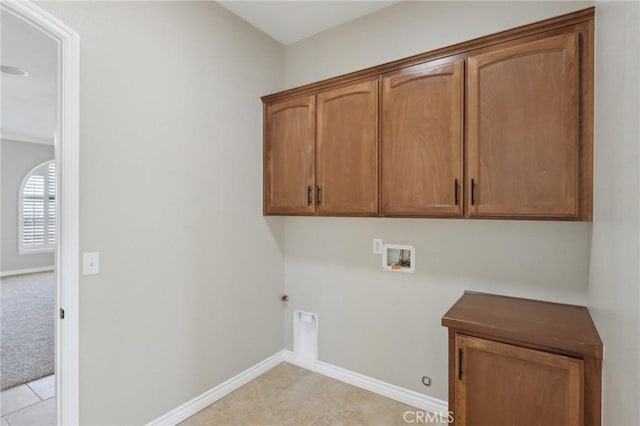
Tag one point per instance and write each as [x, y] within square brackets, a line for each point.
[422, 144]
[585, 34]
[500, 384]
[289, 156]
[518, 352]
[522, 126]
[460, 50]
[592, 391]
[347, 150]
[525, 148]
[547, 324]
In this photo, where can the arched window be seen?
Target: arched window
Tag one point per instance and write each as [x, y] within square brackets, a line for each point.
[37, 209]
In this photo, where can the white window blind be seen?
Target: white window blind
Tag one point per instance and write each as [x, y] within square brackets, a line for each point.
[37, 209]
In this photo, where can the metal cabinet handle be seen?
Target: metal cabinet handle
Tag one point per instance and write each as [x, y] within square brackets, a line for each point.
[318, 195]
[309, 189]
[473, 192]
[455, 190]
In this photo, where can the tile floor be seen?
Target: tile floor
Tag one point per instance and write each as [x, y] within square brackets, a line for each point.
[285, 395]
[289, 395]
[31, 404]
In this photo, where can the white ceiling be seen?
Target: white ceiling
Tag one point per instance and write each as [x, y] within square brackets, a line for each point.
[290, 21]
[28, 105]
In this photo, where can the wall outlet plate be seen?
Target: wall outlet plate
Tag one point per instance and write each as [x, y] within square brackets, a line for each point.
[377, 246]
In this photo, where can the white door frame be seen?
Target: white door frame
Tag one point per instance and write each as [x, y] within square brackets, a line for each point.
[68, 164]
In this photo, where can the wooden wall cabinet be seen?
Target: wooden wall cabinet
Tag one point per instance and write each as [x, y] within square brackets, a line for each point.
[523, 129]
[497, 127]
[321, 152]
[289, 156]
[422, 143]
[525, 362]
[347, 150]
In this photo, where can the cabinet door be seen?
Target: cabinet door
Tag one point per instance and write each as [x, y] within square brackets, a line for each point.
[288, 156]
[347, 150]
[422, 140]
[499, 384]
[523, 129]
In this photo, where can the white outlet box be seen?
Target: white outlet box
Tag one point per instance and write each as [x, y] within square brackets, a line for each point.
[399, 258]
[377, 246]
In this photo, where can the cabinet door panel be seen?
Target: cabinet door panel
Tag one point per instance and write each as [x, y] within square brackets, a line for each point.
[289, 159]
[422, 143]
[502, 384]
[347, 150]
[523, 129]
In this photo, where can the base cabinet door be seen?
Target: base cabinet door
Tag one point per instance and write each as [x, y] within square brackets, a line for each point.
[523, 129]
[422, 141]
[498, 384]
[347, 150]
[289, 156]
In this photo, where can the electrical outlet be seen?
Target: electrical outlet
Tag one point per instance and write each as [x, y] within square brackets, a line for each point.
[377, 246]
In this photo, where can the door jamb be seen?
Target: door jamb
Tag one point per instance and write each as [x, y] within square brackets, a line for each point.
[67, 164]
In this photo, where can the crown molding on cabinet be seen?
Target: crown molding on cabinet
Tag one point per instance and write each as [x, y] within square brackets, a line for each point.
[455, 49]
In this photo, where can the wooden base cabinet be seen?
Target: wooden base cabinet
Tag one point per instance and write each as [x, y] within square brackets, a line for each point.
[522, 362]
[528, 387]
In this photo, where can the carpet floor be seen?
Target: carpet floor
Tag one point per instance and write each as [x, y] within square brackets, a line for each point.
[27, 328]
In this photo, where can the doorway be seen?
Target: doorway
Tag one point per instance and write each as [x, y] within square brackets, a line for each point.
[39, 257]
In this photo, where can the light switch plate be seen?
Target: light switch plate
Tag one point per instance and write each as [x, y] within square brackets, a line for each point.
[91, 263]
[377, 246]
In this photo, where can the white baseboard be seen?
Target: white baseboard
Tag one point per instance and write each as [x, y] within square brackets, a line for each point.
[409, 397]
[406, 396]
[26, 271]
[216, 393]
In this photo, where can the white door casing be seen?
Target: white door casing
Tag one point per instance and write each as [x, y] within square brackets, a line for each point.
[67, 163]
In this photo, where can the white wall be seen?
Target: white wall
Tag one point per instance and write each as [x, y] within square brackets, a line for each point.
[18, 158]
[171, 190]
[387, 325]
[406, 29]
[615, 251]
[170, 180]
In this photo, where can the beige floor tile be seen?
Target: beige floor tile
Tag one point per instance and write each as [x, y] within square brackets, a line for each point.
[289, 395]
[17, 398]
[45, 387]
[40, 414]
